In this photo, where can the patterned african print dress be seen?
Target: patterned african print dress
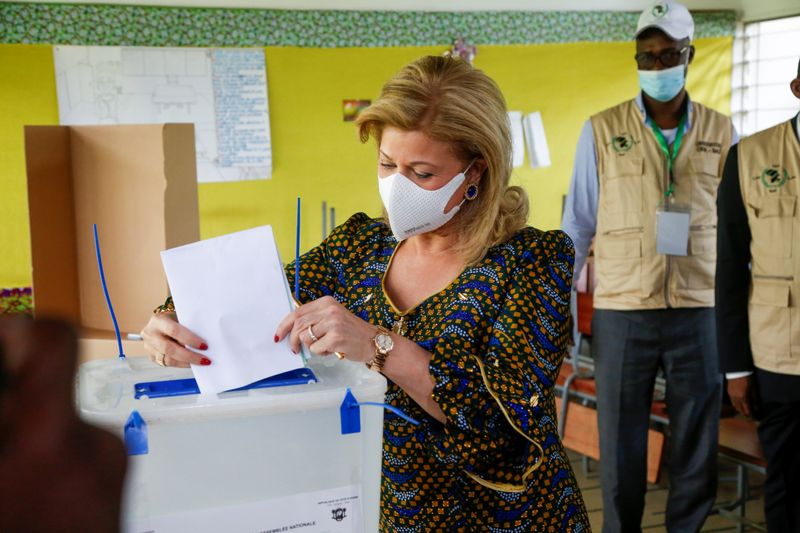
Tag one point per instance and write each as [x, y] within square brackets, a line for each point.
[497, 334]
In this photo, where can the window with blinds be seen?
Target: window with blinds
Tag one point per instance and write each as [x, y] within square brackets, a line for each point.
[765, 61]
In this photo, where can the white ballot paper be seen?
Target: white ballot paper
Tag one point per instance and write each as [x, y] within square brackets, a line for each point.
[232, 291]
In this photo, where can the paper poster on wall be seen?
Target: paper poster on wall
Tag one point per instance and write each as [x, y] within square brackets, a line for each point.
[351, 108]
[223, 92]
[538, 151]
[517, 139]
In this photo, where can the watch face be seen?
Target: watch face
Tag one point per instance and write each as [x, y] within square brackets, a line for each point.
[384, 342]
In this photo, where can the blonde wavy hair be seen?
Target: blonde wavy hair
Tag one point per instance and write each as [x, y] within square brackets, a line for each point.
[450, 101]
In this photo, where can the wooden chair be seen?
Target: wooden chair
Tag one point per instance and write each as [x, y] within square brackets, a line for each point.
[738, 443]
[577, 415]
[580, 429]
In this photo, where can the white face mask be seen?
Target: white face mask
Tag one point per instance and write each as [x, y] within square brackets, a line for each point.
[413, 210]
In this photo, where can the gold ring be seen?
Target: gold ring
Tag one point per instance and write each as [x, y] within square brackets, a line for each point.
[340, 355]
[311, 335]
[161, 359]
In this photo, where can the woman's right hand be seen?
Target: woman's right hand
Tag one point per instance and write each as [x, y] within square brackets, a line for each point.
[165, 341]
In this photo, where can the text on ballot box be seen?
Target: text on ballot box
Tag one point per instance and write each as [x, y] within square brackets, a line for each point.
[259, 459]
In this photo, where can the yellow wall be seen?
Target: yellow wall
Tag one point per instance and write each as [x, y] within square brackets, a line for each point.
[27, 96]
[318, 156]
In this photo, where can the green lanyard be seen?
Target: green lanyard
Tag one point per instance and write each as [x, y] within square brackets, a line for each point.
[670, 155]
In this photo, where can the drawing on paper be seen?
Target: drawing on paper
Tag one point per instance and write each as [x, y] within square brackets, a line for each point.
[223, 92]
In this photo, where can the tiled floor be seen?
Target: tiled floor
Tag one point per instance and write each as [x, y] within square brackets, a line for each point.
[653, 520]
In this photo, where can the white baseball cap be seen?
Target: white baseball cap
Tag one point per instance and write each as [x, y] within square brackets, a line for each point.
[670, 17]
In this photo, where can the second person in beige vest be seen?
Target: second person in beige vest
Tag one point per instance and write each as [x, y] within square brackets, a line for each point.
[758, 302]
[644, 188]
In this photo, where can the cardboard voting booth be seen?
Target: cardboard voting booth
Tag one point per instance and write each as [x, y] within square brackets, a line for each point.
[139, 185]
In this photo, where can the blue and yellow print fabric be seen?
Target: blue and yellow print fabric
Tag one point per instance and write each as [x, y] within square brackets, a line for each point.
[497, 335]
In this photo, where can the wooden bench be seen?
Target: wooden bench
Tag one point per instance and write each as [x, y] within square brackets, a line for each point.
[738, 443]
[578, 426]
[583, 436]
[577, 415]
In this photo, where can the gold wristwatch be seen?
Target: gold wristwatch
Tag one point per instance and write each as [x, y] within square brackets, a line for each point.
[383, 347]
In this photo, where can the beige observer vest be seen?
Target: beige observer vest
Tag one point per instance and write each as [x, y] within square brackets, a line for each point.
[769, 164]
[633, 179]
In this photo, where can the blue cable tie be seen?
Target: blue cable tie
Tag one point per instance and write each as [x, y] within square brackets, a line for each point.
[350, 413]
[396, 410]
[297, 255]
[105, 291]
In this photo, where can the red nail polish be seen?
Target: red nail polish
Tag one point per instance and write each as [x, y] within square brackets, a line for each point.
[276, 338]
[203, 346]
[205, 362]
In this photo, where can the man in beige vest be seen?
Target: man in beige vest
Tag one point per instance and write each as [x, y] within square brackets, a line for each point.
[758, 302]
[644, 188]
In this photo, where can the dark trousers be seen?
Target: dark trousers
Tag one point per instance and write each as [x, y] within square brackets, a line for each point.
[779, 433]
[629, 347]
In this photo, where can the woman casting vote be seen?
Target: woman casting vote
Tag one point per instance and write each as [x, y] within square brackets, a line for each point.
[462, 307]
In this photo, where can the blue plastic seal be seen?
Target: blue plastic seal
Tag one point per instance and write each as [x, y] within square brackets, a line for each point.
[183, 387]
[350, 413]
[136, 434]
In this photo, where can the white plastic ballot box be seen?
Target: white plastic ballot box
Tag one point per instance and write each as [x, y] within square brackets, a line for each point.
[300, 457]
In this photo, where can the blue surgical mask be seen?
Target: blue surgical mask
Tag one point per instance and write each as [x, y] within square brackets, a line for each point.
[663, 85]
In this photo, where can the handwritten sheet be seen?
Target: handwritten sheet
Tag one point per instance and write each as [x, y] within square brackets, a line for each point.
[222, 91]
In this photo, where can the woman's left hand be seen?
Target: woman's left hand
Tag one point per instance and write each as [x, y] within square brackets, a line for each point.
[334, 327]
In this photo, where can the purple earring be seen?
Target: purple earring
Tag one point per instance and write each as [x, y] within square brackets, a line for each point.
[471, 193]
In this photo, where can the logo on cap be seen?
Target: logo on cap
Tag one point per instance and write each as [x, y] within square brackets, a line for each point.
[660, 10]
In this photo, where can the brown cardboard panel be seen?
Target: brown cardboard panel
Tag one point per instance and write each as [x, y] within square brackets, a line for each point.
[100, 344]
[181, 210]
[52, 228]
[138, 183]
[120, 182]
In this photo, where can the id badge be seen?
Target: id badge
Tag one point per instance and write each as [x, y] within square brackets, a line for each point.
[672, 229]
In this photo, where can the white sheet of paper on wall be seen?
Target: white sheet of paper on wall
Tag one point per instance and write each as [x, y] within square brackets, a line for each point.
[535, 140]
[517, 138]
